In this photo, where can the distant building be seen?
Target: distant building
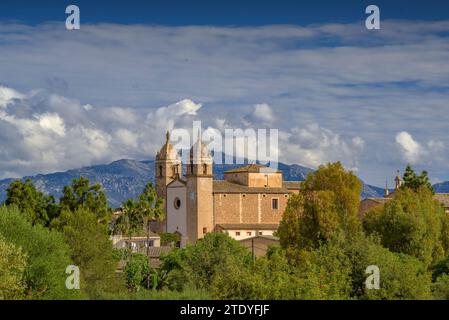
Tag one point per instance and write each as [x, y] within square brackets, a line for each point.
[259, 245]
[369, 203]
[249, 201]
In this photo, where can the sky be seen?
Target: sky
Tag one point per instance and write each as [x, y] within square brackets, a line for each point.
[373, 99]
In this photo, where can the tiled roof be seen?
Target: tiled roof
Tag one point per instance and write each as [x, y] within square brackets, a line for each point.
[379, 200]
[223, 186]
[253, 168]
[268, 237]
[155, 252]
[443, 198]
[292, 184]
[247, 226]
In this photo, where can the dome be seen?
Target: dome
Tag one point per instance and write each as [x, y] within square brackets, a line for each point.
[199, 151]
[168, 151]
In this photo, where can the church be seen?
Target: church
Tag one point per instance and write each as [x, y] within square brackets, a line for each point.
[249, 202]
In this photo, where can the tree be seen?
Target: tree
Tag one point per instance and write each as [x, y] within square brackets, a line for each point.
[415, 182]
[137, 271]
[412, 223]
[198, 264]
[130, 221]
[401, 276]
[440, 288]
[152, 208]
[328, 203]
[47, 256]
[81, 194]
[12, 268]
[91, 251]
[37, 207]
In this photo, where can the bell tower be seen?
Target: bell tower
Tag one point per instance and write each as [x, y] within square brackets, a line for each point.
[199, 192]
[167, 168]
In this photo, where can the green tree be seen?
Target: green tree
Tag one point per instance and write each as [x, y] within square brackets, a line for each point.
[130, 220]
[328, 203]
[401, 276]
[137, 271]
[12, 268]
[415, 182]
[412, 223]
[91, 251]
[152, 208]
[440, 288]
[46, 252]
[198, 264]
[37, 207]
[81, 194]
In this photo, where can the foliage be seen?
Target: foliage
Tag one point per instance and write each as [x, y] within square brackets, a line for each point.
[198, 264]
[91, 251]
[169, 239]
[440, 288]
[152, 208]
[130, 221]
[47, 256]
[37, 207]
[401, 276]
[441, 268]
[329, 202]
[411, 223]
[322, 274]
[81, 194]
[12, 268]
[415, 182]
[137, 271]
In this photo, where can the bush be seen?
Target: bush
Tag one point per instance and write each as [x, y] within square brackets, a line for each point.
[47, 256]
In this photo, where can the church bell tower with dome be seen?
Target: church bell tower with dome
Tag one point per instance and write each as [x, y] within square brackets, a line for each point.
[167, 168]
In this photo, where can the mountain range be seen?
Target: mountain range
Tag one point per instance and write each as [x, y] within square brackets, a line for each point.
[124, 179]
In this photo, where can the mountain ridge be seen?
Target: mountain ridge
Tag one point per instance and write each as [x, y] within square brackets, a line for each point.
[125, 178]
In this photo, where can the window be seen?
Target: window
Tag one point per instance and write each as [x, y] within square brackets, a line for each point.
[177, 203]
[204, 168]
[249, 233]
[237, 233]
[274, 203]
[260, 233]
[204, 230]
[160, 171]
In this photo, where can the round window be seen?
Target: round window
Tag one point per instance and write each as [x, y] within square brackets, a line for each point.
[177, 203]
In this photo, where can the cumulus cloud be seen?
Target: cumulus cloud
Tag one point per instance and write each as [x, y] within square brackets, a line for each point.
[313, 145]
[410, 148]
[263, 112]
[46, 141]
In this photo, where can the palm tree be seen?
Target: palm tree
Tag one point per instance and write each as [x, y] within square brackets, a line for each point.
[130, 219]
[152, 208]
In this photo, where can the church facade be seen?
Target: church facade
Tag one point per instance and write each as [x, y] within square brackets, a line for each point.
[249, 202]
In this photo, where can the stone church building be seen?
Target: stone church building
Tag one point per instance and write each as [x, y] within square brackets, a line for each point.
[249, 202]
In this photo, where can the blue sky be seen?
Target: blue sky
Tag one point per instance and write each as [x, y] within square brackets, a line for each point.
[221, 12]
[375, 100]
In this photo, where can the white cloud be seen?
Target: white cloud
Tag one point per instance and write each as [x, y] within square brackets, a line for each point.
[52, 122]
[263, 112]
[7, 95]
[410, 148]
